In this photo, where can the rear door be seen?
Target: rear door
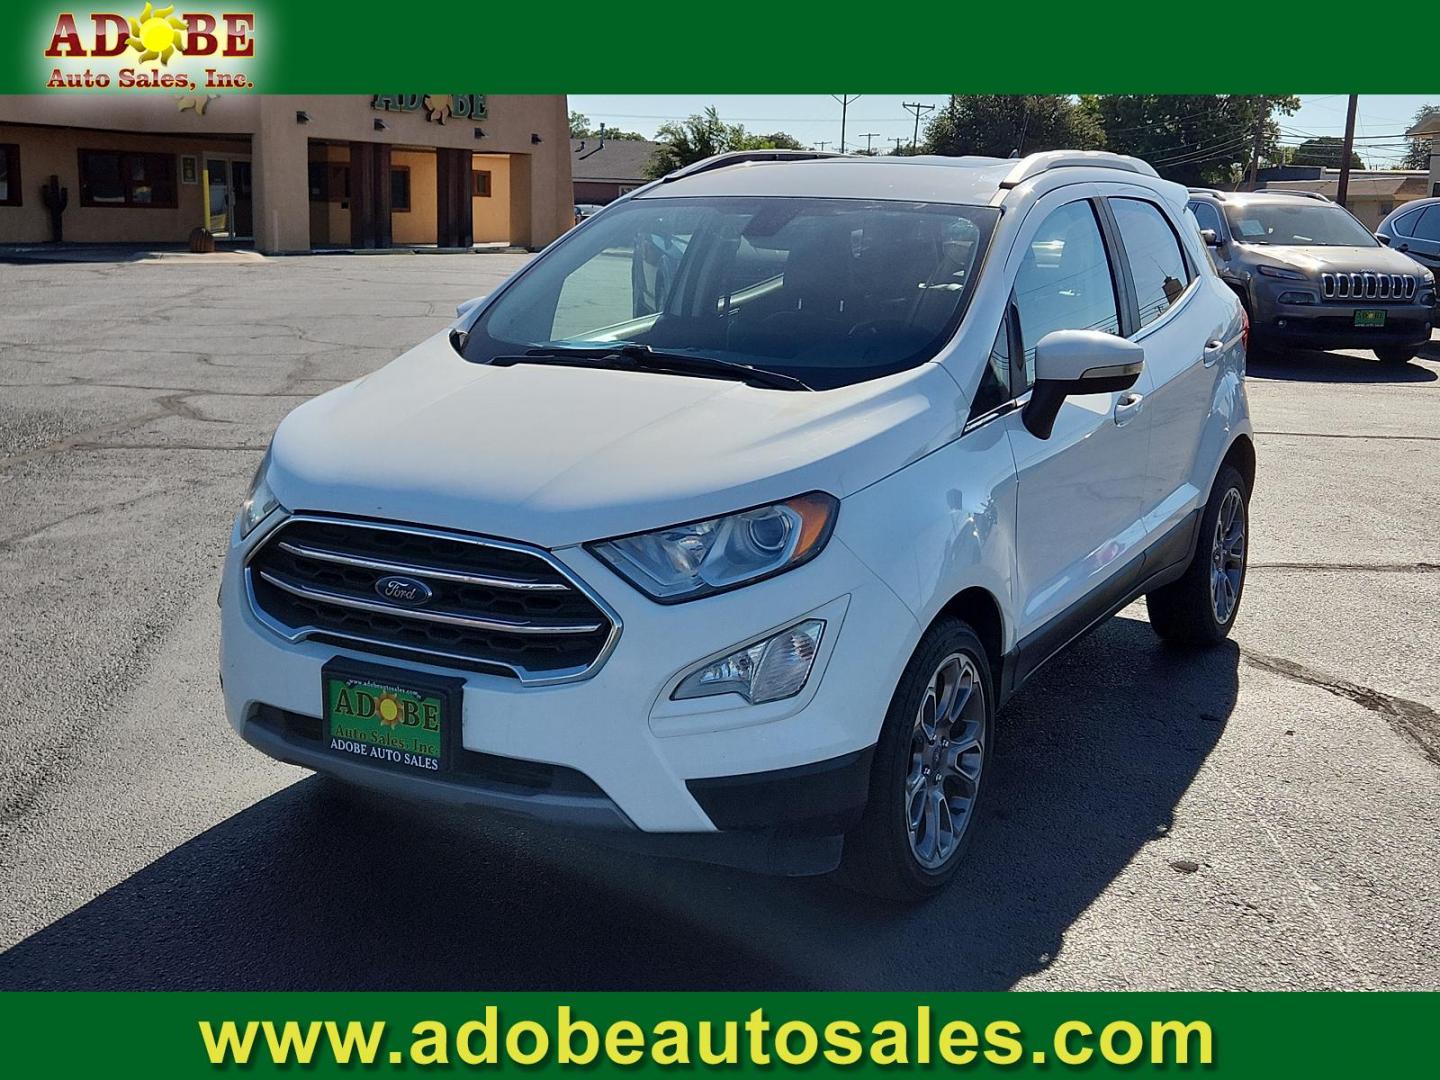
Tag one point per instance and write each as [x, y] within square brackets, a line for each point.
[1080, 492]
[1423, 243]
[1183, 331]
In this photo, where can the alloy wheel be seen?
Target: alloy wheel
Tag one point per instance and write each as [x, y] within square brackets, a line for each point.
[947, 754]
[1227, 556]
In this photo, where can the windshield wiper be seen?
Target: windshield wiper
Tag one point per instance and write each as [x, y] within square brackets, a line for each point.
[628, 356]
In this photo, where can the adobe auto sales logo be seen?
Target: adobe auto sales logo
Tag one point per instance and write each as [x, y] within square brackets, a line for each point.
[105, 50]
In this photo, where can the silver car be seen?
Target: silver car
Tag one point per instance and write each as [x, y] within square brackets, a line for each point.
[1414, 228]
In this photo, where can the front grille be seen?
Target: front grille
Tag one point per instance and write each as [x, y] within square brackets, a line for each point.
[491, 605]
[1385, 288]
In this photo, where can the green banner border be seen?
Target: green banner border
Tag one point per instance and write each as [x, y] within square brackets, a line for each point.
[750, 47]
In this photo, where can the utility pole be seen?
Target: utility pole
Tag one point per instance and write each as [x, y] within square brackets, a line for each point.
[899, 141]
[844, 100]
[821, 144]
[1342, 191]
[870, 137]
[918, 110]
[1262, 114]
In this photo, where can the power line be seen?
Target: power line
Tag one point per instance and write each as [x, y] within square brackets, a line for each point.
[844, 100]
[918, 110]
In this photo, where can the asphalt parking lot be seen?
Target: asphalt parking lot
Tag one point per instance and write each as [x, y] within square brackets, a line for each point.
[1265, 815]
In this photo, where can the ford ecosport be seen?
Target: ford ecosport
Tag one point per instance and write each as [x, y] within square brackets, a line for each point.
[730, 520]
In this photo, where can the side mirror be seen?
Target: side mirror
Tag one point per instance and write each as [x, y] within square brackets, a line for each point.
[1211, 237]
[465, 308]
[1383, 238]
[1078, 362]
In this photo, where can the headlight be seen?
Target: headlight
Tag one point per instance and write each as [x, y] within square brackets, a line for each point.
[260, 502]
[766, 671]
[1282, 272]
[685, 562]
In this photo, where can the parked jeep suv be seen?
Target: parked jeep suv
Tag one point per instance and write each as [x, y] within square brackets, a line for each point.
[1310, 275]
[729, 522]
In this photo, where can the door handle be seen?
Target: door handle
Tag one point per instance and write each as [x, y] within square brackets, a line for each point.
[1212, 351]
[1128, 407]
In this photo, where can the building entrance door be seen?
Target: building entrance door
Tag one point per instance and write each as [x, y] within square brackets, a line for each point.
[228, 198]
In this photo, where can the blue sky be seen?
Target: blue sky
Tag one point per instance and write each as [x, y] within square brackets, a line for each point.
[815, 117]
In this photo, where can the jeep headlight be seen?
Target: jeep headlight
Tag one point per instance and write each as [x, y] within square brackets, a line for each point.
[1282, 272]
[685, 562]
[260, 502]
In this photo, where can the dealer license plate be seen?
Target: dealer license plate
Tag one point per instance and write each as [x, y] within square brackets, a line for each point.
[1370, 318]
[371, 716]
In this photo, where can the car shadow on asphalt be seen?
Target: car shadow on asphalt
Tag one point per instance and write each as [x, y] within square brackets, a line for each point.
[317, 888]
[1309, 365]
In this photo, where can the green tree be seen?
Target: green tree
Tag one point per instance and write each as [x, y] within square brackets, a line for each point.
[1326, 150]
[1418, 156]
[997, 125]
[1194, 139]
[580, 129]
[705, 135]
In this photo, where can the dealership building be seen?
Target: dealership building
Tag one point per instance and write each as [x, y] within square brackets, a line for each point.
[286, 173]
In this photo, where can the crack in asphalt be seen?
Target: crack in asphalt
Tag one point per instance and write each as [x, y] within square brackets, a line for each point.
[1351, 435]
[1370, 568]
[1417, 722]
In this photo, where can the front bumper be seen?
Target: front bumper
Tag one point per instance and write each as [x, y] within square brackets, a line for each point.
[771, 786]
[1329, 324]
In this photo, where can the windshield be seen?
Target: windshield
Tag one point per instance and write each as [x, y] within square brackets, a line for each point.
[1308, 224]
[829, 291]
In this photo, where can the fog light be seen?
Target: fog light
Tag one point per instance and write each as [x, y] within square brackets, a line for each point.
[1297, 298]
[765, 671]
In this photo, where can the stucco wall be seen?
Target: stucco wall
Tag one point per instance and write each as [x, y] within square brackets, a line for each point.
[492, 216]
[539, 205]
[56, 151]
[418, 224]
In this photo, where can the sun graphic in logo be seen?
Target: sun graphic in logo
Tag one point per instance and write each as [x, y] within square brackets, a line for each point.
[387, 709]
[156, 34]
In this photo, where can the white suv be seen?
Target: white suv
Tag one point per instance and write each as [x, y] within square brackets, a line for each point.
[729, 522]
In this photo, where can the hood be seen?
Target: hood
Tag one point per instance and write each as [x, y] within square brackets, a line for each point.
[558, 455]
[1348, 260]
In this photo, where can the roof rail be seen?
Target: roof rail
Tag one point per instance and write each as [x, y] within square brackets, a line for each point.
[1214, 193]
[1035, 164]
[743, 157]
[1297, 194]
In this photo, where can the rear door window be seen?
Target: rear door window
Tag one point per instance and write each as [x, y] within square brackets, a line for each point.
[1428, 227]
[1152, 249]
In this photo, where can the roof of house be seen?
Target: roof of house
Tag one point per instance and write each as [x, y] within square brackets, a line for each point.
[1429, 124]
[1384, 186]
[620, 160]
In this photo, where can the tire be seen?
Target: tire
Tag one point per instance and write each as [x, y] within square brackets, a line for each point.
[1193, 610]
[1395, 355]
[883, 854]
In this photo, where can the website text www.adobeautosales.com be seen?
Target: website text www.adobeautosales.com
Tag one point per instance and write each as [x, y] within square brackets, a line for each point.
[568, 1040]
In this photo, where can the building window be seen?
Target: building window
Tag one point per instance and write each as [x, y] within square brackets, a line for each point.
[480, 183]
[126, 178]
[9, 174]
[400, 188]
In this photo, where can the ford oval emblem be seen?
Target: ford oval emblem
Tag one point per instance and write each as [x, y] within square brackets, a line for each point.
[403, 590]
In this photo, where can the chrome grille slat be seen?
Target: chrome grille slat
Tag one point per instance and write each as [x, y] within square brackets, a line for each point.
[384, 566]
[1369, 285]
[491, 605]
[448, 618]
